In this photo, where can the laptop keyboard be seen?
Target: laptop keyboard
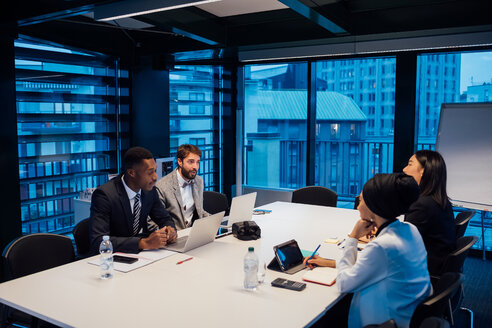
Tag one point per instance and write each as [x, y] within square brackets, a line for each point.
[180, 242]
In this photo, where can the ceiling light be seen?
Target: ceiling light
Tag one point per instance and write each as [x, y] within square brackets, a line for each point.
[129, 8]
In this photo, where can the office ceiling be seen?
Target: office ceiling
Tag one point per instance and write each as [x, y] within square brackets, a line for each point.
[242, 24]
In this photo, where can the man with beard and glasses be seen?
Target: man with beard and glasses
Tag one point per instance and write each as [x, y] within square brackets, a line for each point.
[181, 191]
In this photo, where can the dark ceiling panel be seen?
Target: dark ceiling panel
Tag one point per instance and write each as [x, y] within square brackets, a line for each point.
[191, 20]
[25, 9]
[440, 14]
[179, 30]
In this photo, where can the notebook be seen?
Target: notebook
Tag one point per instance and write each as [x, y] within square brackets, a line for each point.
[321, 275]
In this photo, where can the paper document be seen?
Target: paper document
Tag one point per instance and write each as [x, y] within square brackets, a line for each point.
[321, 275]
[144, 258]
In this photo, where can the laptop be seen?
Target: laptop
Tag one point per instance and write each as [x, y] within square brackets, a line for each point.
[241, 209]
[202, 232]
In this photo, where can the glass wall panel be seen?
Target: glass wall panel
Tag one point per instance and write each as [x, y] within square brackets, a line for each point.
[355, 114]
[196, 98]
[71, 126]
[275, 125]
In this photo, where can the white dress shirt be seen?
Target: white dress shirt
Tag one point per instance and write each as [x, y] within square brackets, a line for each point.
[131, 196]
[187, 196]
[389, 277]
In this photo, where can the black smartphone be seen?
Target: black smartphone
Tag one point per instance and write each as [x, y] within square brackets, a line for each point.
[124, 259]
[288, 284]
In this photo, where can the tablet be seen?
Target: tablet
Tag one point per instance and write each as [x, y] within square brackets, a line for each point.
[289, 257]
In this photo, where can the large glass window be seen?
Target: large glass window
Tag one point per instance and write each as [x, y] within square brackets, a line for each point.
[450, 78]
[72, 122]
[355, 103]
[196, 96]
[275, 125]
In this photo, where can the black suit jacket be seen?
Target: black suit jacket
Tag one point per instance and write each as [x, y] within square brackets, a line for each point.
[111, 215]
[437, 228]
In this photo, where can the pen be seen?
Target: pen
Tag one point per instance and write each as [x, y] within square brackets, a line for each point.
[341, 241]
[189, 258]
[313, 254]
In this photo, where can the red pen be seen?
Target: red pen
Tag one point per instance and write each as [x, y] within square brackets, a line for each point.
[189, 258]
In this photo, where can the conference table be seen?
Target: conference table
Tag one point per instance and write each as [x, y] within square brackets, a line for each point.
[206, 291]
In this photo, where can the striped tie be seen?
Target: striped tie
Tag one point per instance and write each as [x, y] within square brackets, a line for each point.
[136, 214]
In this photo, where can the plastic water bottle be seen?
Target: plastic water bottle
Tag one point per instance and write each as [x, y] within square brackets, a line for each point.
[106, 251]
[250, 269]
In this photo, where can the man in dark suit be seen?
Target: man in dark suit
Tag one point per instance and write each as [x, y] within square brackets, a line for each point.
[120, 208]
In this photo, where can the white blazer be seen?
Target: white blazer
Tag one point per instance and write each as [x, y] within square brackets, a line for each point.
[389, 277]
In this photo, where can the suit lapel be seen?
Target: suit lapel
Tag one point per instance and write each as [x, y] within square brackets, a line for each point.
[196, 200]
[125, 202]
[177, 190]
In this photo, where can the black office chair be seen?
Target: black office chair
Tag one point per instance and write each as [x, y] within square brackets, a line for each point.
[82, 239]
[215, 202]
[387, 324]
[454, 261]
[30, 254]
[315, 195]
[461, 222]
[434, 322]
[438, 304]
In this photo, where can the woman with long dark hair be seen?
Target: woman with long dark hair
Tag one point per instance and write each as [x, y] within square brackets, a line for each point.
[432, 213]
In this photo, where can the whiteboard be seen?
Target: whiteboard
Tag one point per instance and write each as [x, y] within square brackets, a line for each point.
[465, 142]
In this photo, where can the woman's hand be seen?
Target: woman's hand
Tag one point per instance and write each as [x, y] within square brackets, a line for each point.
[362, 228]
[318, 261]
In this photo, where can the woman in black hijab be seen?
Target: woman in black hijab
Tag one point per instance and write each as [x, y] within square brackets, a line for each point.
[389, 277]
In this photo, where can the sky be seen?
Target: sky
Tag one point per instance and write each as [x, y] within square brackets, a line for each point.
[477, 65]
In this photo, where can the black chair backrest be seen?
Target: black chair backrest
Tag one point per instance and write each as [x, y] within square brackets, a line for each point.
[461, 222]
[387, 324]
[82, 238]
[454, 261]
[37, 252]
[315, 195]
[437, 305]
[434, 322]
[215, 202]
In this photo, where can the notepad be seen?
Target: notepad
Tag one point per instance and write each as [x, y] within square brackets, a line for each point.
[332, 240]
[144, 258]
[321, 275]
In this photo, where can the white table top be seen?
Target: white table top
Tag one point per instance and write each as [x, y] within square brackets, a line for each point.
[206, 291]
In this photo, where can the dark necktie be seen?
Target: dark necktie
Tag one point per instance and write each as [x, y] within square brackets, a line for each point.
[136, 214]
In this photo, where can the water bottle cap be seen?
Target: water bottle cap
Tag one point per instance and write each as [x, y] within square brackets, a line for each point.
[251, 249]
[105, 238]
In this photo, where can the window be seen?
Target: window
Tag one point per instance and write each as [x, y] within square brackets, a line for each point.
[276, 95]
[198, 96]
[197, 141]
[347, 136]
[468, 77]
[69, 136]
[197, 110]
[190, 84]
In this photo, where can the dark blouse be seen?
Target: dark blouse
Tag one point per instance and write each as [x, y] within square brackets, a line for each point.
[437, 228]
